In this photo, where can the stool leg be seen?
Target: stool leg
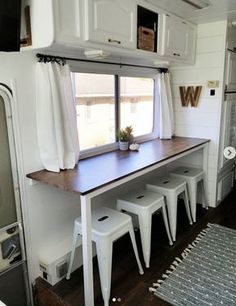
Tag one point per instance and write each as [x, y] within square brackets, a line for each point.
[164, 214]
[204, 196]
[72, 255]
[186, 202]
[131, 232]
[193, 200]
[145, 224]
[171, 201]
[104, 256]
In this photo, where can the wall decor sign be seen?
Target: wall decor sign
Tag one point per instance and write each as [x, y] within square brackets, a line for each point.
[190, 95]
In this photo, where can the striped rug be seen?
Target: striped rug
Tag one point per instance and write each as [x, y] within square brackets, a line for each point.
[206, 273]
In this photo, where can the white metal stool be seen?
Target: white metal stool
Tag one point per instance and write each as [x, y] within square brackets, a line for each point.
[193, 176]
[107, 226]
[144, 203]
[171, 188]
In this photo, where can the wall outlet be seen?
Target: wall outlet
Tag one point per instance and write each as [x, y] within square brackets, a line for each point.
[212, 92]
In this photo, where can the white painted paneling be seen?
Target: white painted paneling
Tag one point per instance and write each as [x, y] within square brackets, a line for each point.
[203, 121]
[198, 131]
[194, 117]
[206, 105]
[212, 29]
[195, 75]
[209, 60]
[210, 44]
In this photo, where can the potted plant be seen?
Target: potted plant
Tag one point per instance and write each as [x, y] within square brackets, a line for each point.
[129, 131]
[123, 138]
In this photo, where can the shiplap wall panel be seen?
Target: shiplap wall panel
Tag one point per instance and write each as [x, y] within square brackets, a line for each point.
[205, 107]
[212, 29]
[193, 118]
[198, 74]
[203, 121]
[210, 44]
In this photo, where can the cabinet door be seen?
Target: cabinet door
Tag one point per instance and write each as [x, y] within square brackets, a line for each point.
[177, 38]
[231, 71]
[111, 22]
[228, 127]
[68, 21]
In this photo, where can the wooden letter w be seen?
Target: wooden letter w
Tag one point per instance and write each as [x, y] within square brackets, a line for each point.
[190, 95]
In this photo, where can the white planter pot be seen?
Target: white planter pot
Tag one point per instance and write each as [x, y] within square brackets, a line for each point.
[123, 145]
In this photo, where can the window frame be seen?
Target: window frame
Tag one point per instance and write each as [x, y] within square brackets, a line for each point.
[117, 71]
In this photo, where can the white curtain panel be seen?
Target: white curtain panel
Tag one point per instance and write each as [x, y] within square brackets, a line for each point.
[56, 117]
[164, 107]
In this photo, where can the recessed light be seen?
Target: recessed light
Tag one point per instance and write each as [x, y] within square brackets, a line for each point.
[198, 4]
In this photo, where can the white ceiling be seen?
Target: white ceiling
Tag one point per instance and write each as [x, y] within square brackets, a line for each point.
[218, 10]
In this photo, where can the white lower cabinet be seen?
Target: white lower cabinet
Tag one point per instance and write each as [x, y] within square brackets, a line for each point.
[231, 68]
[111, 22]
[225, 184]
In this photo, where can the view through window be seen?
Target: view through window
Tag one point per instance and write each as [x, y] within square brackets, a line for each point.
[97, 96]
[136, 97]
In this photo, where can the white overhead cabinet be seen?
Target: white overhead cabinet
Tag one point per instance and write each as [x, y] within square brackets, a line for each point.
[135, 28]
[178, 38]
[68, 25]
[111, 22]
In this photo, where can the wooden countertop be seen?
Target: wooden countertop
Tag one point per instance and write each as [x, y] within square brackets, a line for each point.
[98, 171]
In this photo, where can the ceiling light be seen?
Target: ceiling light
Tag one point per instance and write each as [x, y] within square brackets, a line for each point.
[198, 4]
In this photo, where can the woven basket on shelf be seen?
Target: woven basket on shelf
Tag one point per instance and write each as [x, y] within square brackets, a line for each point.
[146, 39]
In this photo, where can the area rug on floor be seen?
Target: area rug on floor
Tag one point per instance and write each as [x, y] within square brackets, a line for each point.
[206, 273]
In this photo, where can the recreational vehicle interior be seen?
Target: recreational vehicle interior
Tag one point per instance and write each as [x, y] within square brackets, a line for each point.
[117, 152]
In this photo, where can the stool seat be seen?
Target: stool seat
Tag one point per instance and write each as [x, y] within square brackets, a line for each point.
[107, 226]
[145, 199]
[105, 221]
[187, 172]
[171, 188]
[193, 177]
[168, 183]
[144, 203]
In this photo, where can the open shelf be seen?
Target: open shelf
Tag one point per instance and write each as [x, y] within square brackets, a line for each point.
[147, 25]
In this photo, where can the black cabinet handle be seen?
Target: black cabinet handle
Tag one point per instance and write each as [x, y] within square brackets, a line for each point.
[114, 41]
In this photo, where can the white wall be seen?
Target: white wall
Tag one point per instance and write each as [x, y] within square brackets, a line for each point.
[203, 121]
[47, 212]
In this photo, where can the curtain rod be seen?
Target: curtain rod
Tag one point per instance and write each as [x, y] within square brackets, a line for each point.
[49, 58]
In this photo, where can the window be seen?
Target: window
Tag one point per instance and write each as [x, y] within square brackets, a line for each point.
[95, 106]
[136, 99]
[106, 103]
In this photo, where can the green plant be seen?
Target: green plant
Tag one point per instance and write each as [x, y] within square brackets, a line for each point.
[129, 130]
[123, 136]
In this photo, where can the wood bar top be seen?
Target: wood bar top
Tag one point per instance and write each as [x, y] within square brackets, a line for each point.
[98, 171]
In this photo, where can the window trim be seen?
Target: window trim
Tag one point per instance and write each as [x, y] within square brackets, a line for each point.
[120, 71]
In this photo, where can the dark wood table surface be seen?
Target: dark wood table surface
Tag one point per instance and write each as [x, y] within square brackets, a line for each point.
[98, 171]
